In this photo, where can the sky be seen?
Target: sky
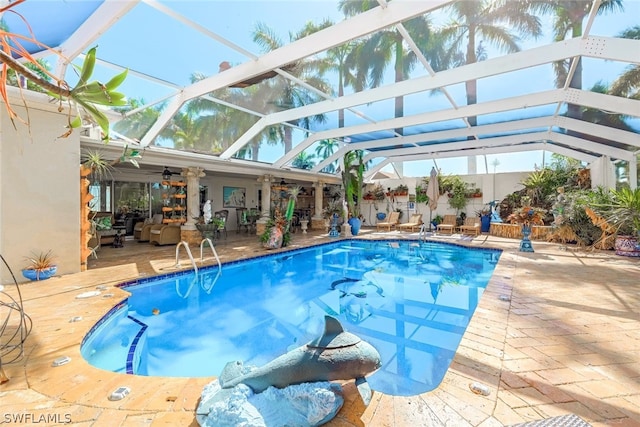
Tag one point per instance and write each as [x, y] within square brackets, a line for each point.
[150, 42]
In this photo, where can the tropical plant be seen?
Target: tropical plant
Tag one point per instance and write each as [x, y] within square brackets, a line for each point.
[40, 261]
[352, 179]
[475, 22]
[628, 83]
[290, 94]
[457, 193]
[304, 160]
[622, 211]
[388, 47]
[86, 94]
[333, 207]
[568, 20]
[101, 168]
[325, 148]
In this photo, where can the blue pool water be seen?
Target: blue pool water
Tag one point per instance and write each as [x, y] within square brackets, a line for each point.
[411, 300]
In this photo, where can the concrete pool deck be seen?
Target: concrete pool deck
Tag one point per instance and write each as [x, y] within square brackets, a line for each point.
[567, 342]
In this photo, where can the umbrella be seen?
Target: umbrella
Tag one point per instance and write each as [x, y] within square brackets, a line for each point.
[433, 192]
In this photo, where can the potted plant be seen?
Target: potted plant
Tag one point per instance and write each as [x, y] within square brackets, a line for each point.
[401, 190]
[458, 194]
[277, 233]
[622, 212]
[41, 266]
[352, 178]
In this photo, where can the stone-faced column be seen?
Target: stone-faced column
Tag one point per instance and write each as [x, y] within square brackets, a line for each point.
[318, 220]
[265, 214]
[189, 232]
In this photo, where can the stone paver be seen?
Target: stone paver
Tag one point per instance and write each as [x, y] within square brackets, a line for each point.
[568, 341]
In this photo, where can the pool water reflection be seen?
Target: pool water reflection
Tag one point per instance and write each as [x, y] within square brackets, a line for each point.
[411, 300]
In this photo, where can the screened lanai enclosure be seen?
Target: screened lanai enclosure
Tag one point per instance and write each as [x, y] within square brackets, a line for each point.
[288, 87]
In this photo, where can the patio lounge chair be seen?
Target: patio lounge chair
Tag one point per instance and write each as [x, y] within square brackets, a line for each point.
[471, 226]
[447, 226]
[391, 222]
[414, 223]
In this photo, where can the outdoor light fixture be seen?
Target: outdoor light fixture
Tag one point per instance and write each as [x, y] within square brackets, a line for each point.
[166, 174]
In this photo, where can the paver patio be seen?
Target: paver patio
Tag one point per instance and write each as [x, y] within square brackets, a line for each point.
[556, 332]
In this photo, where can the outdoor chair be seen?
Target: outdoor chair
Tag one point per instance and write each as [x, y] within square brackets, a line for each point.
[242, 219]
[224, 215]
[447, 226]
[168, 234]
[415, 222]
[142, 229]
[391, 222]
[471, 226]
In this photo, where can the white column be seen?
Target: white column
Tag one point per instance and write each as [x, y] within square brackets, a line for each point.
[633, 173]
[319, 190]
[266, 197]
[193, 175]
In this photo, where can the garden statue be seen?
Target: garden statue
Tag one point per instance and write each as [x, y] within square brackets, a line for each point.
[559, 207]
[206, 212]
[335, 355]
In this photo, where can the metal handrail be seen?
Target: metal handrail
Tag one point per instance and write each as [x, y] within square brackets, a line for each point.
[215, 254]
[186, 246]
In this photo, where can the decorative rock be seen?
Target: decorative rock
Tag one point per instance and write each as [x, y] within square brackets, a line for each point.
[308, 404]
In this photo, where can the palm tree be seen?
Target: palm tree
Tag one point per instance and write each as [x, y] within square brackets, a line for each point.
[475, 22]
[326, 148]
[628, 83]
[136, 125]
[568, 19]
[597, 116]
[289, 94]
[342, 60]
[304, 160]
[387, 47]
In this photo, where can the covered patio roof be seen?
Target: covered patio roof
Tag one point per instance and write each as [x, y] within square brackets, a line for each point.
[232, 115]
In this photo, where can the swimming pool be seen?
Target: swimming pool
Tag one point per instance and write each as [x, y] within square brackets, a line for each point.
[411, 300]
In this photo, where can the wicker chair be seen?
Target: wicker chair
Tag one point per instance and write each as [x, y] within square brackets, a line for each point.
[168, 234]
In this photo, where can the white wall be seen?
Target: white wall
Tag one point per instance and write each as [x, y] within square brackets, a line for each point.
[39, 189]
[505, 183]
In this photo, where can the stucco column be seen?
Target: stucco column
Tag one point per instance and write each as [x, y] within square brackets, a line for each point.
[318, 220]
[265, 214]
[319, 187]
[188, 231]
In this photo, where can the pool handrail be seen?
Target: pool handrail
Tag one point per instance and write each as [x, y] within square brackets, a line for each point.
[186, 247]
[215, 254]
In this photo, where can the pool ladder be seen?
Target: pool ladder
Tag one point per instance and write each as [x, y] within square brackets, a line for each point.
[195, 267]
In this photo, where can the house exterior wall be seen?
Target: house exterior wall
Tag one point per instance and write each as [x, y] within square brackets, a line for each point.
[39, 188]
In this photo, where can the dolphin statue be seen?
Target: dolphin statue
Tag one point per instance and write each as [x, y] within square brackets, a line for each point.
[335, 355]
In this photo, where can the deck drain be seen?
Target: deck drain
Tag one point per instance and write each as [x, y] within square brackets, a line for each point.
[504, 298]
[75, 319]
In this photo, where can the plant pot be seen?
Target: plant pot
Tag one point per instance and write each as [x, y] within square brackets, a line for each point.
[44, 274]
[381, 215]
[485, 223]
[355, 224]
[627, 246]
